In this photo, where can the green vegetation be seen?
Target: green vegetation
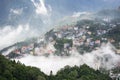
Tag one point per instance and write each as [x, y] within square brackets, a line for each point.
[80, 73]
[59, 45]
[10, 70]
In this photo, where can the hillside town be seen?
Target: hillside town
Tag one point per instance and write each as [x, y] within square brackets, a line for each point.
[85, 36]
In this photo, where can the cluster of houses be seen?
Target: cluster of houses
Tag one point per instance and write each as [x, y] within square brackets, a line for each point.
[39, 48]
[24, 49]
[81, 36]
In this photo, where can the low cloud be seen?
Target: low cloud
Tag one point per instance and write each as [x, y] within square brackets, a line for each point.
[104, 57]
[78, 14]
[16, 11]
[10, 35]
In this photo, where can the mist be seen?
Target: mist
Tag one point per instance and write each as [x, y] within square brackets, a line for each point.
[21, 25]
[104, 57]
[9, 35]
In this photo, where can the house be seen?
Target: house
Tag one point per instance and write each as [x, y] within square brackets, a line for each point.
[41, 50]
[31, 52]
[97, 42]
[92, 43]
[50, 48]
[76, 42]
[40, 39]
[30, 47]
[118, 51]
[51, 39]
[84, 37]
[99, 32]
[104, 39]
[87, 44]
[59, 35]
[89, 32]
[66, 45]
[17, 51]
[97, 48]
[50, 51]
[75, 28]
[88, 40]
[24, 49]
[111, 40]
[87, 27]
[37, 50]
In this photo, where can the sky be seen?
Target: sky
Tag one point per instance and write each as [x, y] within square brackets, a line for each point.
[58, 8]
[63, 7]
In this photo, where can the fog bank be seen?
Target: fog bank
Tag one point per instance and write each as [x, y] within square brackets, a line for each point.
[104, 57]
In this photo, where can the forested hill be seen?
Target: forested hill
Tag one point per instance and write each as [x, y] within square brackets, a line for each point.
[11, 70]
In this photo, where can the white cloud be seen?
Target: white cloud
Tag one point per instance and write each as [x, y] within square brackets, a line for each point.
[16, 11]
[9, 35]
[103, 57]
[40, 7]
[78, 14]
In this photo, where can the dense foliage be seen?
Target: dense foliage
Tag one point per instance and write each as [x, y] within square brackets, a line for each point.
[10, 70]
[60, 45]
[80, 73]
